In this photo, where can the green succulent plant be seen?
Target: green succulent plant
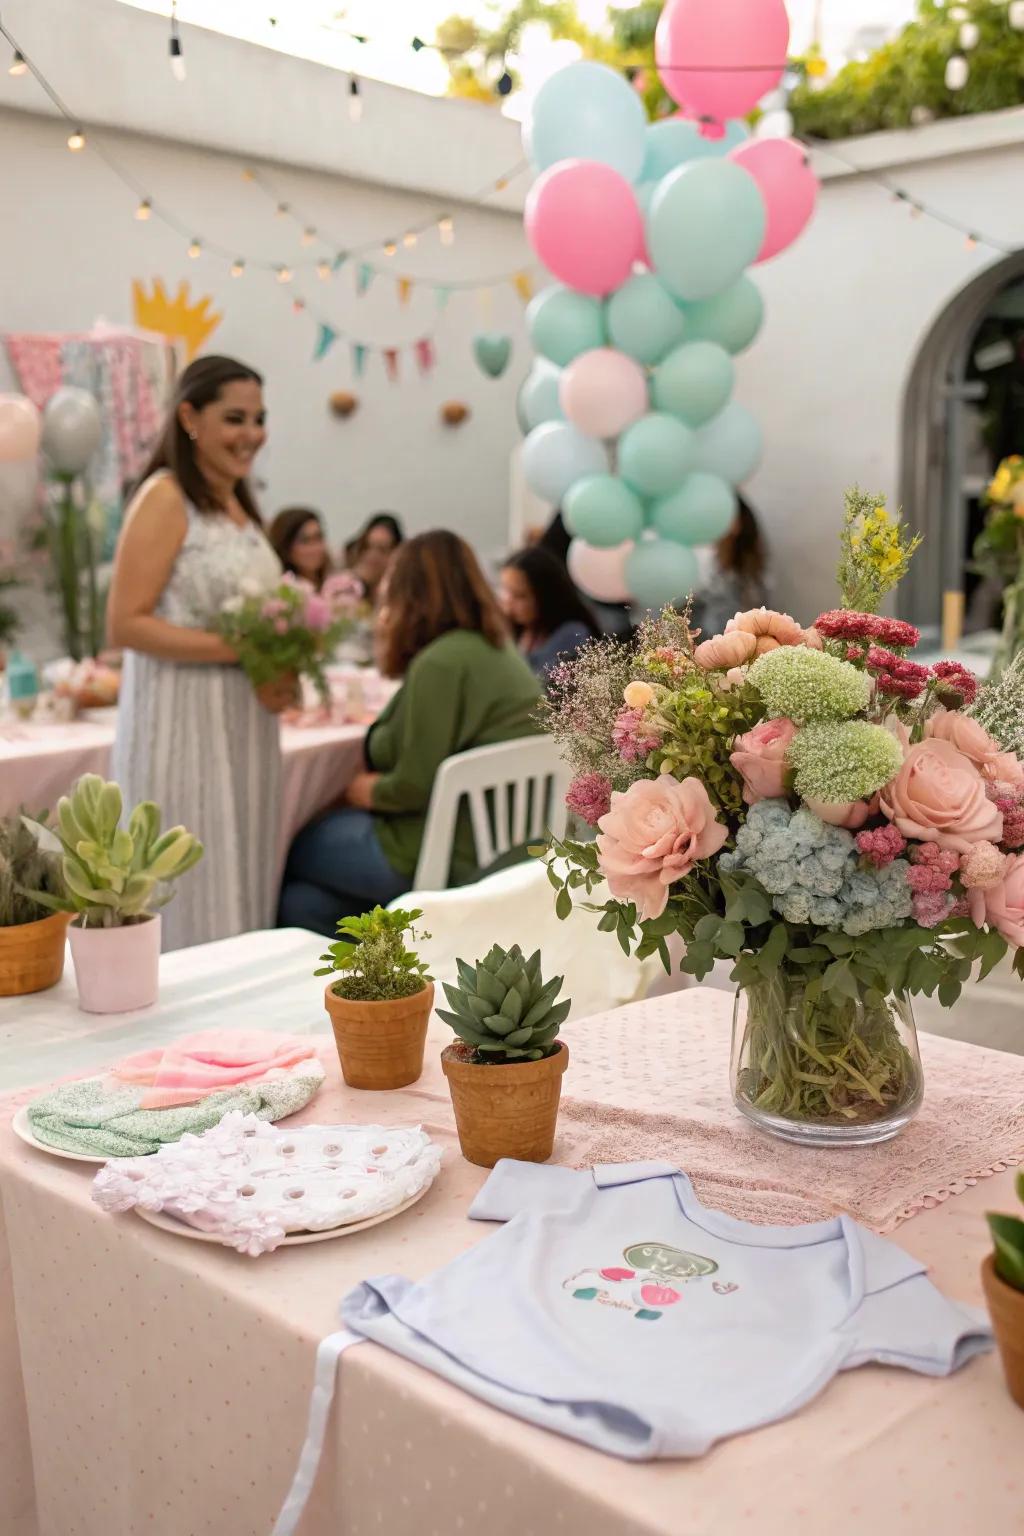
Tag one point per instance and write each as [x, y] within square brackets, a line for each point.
[25, 867]
[1008, 1237]
[115, 875]
[504, 1008]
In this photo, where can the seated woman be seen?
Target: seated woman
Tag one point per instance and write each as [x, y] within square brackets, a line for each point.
[369, 553]
[297, 534]
[439, 629]
[549, 618]
[739, 577]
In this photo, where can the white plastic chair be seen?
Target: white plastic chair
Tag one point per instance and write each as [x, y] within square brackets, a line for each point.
[516, 794]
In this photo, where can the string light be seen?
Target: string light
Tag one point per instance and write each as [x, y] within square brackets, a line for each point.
[390, 248]
[281, 210]
[76, 140]
[971, 243]
[298, 305]
[195, 249]
[248, 174]
[174, 48]
[144, 210]
[237, 267]
[323, 270]
[916, 210]
[409, 239]
[446, 229]
[18, 66]
[957, 72]
[284, 274]
[355, 101]
[308, 235]
[501, 184]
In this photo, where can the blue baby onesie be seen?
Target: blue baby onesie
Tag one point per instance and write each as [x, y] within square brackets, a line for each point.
[614, 1308]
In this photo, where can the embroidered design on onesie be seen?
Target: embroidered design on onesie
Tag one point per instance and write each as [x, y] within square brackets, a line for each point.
[641, 1289]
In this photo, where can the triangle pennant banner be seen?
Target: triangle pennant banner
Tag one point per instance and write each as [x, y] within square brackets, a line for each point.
[340, 259]
[326, 336]
[523, 286]
[358, 358]
[364, 276]
[404, 289]
[391, 364]
[441, 297]
[425, 357]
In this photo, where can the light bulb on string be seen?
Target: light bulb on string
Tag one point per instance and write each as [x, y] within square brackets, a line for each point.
[18, 65]
[409, 239]
[144, 210]
[971, 243]
[390, 247]
[195, 249]
[237, 267]
[970, 33]
[281, 210]
[308, 235]
[76, 140]
[174, 48]
[446, 229]
[1015, 15]
[323, 270]
[355, 101]
[298, 305]
[284, 274]
[916, 210]
[957, 72]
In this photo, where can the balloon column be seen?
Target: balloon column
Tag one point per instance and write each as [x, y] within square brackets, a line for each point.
[649, 228]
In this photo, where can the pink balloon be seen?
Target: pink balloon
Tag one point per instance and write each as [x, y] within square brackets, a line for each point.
[708, 53]
[583, 221]
[601, 573]
[19, 429]
[787, 184]
[602, 391]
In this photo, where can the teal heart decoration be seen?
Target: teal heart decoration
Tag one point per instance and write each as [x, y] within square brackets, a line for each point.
[492, 352]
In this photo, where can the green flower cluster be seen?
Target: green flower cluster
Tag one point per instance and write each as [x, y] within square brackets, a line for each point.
[807, 685]
[699, 724]
[836, 761]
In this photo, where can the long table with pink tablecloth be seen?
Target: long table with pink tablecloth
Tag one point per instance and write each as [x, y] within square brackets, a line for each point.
[155, 1384]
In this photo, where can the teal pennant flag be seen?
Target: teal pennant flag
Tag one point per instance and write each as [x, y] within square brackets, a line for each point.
[340, 259]
[441, 297]
[364, 276]
[326, 336]
[358, 358]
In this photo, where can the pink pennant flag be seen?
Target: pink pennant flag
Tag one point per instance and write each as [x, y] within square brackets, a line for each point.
[425, 355]
[391, 363]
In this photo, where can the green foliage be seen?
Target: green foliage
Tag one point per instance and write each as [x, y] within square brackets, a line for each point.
[25, 867]
[875, 551]
[371, 952]
[475, 53]
[115, 875]
[698, 725]
[504, 1008]
[1000, 707]
[1008, 1236]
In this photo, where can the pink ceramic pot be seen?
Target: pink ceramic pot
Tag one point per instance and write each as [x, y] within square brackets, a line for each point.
[117, 969]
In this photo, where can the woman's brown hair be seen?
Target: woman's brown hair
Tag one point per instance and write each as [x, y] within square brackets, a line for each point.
[434, 585]
[284, 530]
[199, 385]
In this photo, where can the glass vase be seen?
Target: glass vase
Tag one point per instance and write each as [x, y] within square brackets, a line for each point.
[829, 1070]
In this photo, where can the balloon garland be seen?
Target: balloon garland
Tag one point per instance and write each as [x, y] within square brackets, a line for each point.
[630, 424]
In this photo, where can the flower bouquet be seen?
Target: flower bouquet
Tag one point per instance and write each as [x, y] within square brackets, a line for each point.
[999, 552]
[814, 806]
[291, 628]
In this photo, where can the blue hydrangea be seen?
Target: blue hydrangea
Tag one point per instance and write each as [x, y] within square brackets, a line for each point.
[813, 873]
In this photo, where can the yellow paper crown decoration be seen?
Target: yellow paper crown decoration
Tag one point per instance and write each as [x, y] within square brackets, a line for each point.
[177, 318]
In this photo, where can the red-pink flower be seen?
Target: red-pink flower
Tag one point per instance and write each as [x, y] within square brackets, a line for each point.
[632, 738]
[1002, 906]
[653, 835]
[881, 845]
[939, 796]
[957, 679]
[590, 797]
[317, 613]
[759, 757]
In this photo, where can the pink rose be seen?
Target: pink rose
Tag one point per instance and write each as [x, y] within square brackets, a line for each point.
[274, 607]
[723, 651]
[963, 733]
[939, 796]
[851, 814]
[1002, 906]
[653, 835]
[317, 613]
[1004, 768]
[770, 629]
[759, 757]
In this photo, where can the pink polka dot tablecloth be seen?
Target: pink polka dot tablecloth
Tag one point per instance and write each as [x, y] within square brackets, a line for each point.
[153, 1386]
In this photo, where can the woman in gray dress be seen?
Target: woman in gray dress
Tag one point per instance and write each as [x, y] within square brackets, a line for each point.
[192, 733]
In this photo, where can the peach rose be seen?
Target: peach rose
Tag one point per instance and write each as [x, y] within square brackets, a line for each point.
[725, 651]
[851, 814]
[963, 733]
[939, 796]
[770, 629]
[759, 757]
[813, 640]
[1002, 907]
[1004, 768]
[653, 835]
[637, 695]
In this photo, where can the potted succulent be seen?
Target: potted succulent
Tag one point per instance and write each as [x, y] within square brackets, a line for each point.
[115, 877]
[380, 1006]
[32, 937]
[505, 1071]
[1002, 1275]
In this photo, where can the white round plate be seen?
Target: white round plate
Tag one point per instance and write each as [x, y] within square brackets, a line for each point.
[21, 1125]
[294, 1240]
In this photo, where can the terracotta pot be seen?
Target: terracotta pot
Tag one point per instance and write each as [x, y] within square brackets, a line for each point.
[380, 1045]
[1006, 1308]
[117, 969]
[32, 955]
[506, 1111]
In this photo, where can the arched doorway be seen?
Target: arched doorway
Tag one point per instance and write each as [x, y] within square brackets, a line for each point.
[963, 394]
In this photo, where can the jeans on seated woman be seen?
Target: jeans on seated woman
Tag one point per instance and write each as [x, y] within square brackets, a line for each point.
[336, 868]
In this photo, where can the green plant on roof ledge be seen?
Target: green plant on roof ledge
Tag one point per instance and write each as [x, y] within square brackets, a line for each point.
[371, 954]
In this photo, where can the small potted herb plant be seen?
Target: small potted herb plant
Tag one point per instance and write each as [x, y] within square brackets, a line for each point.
[380, 1006]
[505, 1071]
[114, 878]
[1002, 1275]
[32, 937]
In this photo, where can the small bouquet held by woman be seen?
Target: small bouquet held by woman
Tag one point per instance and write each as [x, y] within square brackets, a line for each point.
[291, 630]
[842, 823]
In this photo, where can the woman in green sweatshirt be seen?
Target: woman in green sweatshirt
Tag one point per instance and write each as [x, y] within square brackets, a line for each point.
[463, 685]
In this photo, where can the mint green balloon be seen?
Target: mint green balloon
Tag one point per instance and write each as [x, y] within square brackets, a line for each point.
[538, 397]
[700, 512]
[655, 454]
[562, 324]
[659, 572]
[677, 140]
[732, 319]
[587, 111]
[603, 511]
[730, 446]
[694, 382]
[706, 223]
[643, 320]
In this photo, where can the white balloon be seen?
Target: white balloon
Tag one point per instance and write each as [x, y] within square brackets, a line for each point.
[72, 429]
[555, 455]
